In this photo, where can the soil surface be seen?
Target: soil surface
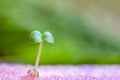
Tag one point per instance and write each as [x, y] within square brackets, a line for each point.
[61, 72]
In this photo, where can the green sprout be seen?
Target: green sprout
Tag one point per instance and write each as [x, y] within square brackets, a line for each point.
[37, 37]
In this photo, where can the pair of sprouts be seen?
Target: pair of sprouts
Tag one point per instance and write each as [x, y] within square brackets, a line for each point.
[38, 37]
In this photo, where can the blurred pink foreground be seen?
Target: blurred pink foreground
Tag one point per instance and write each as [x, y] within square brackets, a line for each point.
[61, 72]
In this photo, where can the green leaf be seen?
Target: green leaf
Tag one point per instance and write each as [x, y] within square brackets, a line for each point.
[36, 37]
[48, 37]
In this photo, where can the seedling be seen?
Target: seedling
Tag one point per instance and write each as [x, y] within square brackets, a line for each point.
[37, 37]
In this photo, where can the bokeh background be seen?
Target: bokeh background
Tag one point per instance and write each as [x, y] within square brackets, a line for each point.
[85, 31]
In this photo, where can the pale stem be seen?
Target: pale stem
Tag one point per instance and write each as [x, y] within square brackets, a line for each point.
[38, 56]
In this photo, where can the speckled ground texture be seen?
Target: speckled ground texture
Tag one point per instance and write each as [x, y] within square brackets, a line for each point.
[61, 72]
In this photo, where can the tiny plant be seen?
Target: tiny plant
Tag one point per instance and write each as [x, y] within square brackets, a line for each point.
[38, 37]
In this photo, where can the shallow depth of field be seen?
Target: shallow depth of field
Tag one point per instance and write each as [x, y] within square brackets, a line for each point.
[85, 31]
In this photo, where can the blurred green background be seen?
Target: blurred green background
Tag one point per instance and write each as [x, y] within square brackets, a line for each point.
[85, 31]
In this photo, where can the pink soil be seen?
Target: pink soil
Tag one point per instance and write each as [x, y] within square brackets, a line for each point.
[61, 72]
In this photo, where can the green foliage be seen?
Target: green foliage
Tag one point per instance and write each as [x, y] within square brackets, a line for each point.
[77, 39]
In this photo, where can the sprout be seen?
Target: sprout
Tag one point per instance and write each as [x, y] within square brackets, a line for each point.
[48, 37]
[36, 37]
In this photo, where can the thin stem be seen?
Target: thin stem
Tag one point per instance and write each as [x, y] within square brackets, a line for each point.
[38, 56]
